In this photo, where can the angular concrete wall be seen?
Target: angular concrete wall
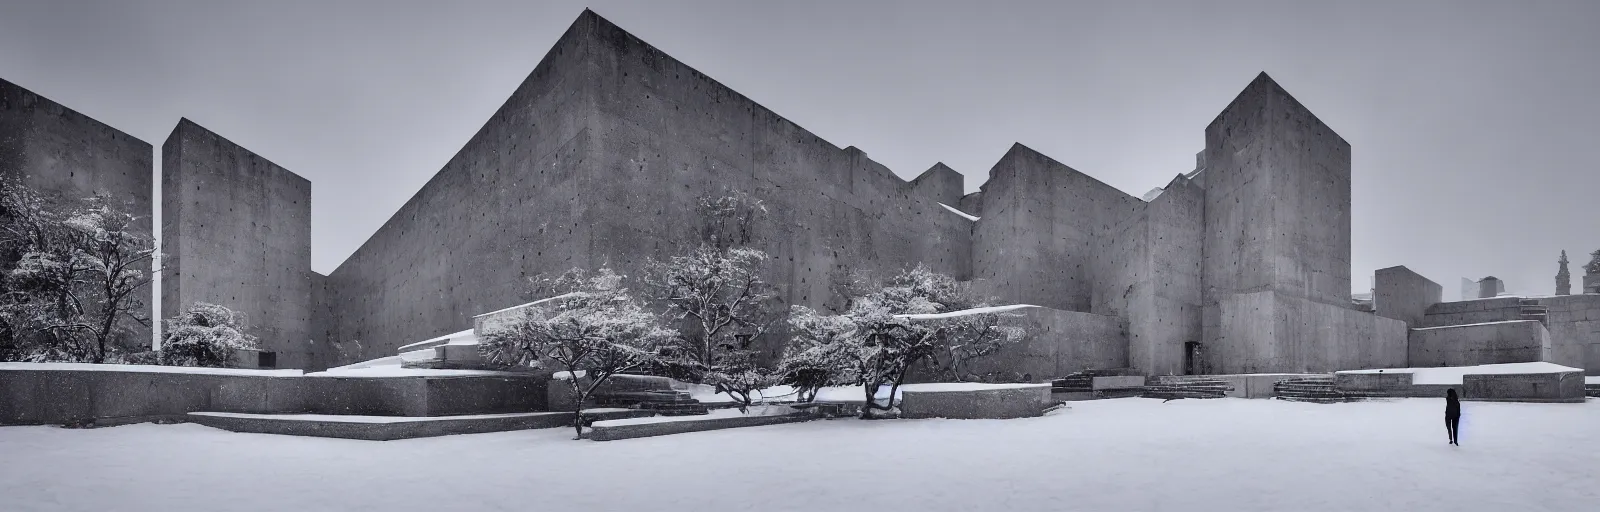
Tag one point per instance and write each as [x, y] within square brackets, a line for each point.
[66, 155]
[1277, 200]
[1518, 341]
[1472, 312]
[1041, 223]
[1405, 295]
[1269, 332]
[1277, 243]
[599, 158]
[238, 233]
[1147, 270]
[1059, 343]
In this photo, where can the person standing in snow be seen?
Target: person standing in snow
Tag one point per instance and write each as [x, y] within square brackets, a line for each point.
[1452, 414]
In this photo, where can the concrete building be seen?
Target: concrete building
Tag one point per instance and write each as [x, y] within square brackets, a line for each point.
[600, 157]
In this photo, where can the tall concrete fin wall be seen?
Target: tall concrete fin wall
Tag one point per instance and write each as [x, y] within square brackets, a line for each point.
[508, 205]
[66, 155]
[1041, 222]
[238, 233]
[600, 158]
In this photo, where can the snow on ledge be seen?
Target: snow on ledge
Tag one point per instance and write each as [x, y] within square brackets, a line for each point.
[1472, 325]
[1453, 374]
[352, 418]
[142, 368]
[1592, 379]
[540, 301]
[943, 387]
[755, 411]
[387, 371]
[969, 216]
[442, 340]
[965, 312]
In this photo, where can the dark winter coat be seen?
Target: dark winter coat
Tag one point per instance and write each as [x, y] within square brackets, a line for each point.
[1452, 407]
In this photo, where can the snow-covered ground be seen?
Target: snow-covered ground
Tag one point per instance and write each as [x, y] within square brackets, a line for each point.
[1453, 374]
[1128, 454]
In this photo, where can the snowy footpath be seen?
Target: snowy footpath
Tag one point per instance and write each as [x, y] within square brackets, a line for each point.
[1127, 454]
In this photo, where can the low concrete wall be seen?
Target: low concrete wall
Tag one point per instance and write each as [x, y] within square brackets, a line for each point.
[560, 397]
[1536, 387]
[1472, 312]
[998, 403]
[110, 397]
[617, 432]
[1396, 383]
[1517, 341]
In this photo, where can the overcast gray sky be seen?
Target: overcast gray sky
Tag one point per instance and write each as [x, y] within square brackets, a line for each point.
[1473, 124]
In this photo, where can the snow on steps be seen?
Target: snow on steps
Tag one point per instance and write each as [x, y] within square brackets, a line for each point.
[1173, 387]
[1319, 389]
[388, 428]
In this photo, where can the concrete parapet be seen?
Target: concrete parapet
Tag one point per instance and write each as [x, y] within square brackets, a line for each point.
[106, 397]
[986, 403]
[1532, 387]
[1515, 341]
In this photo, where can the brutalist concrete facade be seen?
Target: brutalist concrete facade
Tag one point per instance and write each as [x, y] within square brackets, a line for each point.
[238, 233]
[600, 157]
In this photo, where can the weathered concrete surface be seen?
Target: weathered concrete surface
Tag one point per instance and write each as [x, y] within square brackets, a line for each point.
[1041, 223]
[1268, 331]
[109, 397]
[238, 233]
[978, 404]
[1277, 205]
[65, 155]
[619, 432]
[1534, 387]
[1405, 295]
[569, 173]
[1517, 341]
[561, 397]
[1574, 325]
[1117, 382]
[1472, 312]
[1059, 343]
[1393, 383]
[1148, 272]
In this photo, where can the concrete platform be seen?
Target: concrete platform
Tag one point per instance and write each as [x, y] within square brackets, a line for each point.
[388, 428]
[975, 401]
[652, 427]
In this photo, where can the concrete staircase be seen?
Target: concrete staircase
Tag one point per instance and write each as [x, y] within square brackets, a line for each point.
[1531, 309]
[663, 402]
[1173, 387]
[1319, 390]
[1083, 382]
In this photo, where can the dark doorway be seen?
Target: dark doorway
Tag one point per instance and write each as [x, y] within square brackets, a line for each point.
[1191, 358]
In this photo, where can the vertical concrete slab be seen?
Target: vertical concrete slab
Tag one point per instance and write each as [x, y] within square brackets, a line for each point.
[1404, 295]
[238, 233]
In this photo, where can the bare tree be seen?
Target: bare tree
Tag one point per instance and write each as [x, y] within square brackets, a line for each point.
[591, 333]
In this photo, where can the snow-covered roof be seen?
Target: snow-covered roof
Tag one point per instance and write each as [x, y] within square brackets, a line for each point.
[969, 216]
[965, 312]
